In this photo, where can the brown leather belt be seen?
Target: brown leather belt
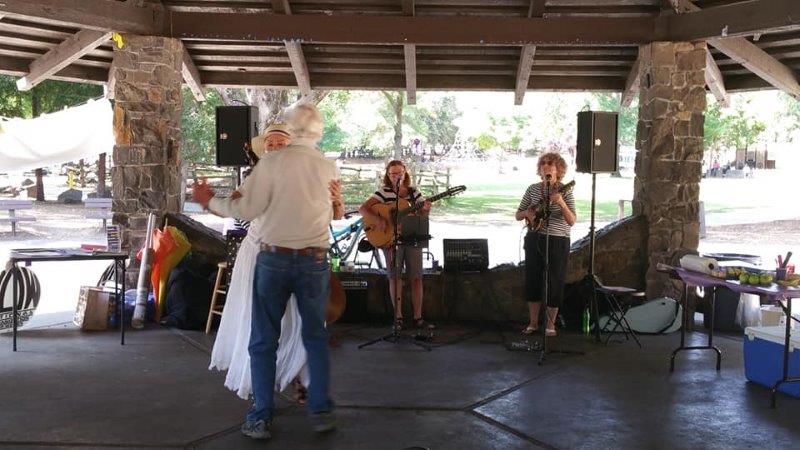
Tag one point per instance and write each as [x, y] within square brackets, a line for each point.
[308, 251]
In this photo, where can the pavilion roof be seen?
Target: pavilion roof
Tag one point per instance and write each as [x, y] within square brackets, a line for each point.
[504, 45]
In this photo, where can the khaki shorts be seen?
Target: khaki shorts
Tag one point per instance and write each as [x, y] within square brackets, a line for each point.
[409, 257]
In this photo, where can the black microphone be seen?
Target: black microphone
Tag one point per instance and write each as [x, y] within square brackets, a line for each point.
[548, 177]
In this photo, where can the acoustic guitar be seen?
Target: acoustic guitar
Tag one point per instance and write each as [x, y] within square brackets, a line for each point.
[387, 212]
[540, 212]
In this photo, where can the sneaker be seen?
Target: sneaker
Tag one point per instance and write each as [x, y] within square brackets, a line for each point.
[323, 422]
[256, 429]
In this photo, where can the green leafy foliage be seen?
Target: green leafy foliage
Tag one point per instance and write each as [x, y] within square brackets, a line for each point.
[198, 123]
[47, 97]
[334, 111]
[606, 101]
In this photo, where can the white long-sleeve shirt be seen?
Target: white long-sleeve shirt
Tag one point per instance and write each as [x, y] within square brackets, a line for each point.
[288, 190]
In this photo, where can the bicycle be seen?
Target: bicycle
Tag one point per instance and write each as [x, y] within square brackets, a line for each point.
[350, 239]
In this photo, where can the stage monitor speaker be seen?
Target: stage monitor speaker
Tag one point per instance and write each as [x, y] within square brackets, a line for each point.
[597, 148]
[465, 255]
[236, 126]
[357, 291]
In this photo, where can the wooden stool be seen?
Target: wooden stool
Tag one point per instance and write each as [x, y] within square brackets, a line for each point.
[220, 287]
[233, 239]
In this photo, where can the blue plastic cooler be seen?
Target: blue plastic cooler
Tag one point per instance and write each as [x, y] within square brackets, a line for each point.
[763, 357]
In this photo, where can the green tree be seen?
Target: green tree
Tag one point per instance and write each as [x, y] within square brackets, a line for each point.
[198, 123]
[333, 109]
[396, 113]
[628, 116]
[438, 125]
[713, 127]
[741, 129]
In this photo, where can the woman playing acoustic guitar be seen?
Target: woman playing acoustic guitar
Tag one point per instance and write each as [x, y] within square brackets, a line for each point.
[397, 182]
[551, 169]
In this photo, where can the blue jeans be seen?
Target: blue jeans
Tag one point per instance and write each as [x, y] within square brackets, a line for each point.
[277, 276]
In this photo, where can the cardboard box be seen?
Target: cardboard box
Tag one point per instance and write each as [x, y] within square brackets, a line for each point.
[763, 357]
[94, 307]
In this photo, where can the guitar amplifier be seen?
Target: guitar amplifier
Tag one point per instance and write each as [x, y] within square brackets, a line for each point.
[358, 291]
[465, 255]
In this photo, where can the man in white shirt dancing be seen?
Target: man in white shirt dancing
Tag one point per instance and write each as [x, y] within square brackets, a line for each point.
[292, 191]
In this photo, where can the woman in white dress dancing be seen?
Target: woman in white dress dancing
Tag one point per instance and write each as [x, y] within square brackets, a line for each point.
[233, 336]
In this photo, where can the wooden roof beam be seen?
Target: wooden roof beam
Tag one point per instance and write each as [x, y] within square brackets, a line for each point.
[64, 54]
[734, 20]
[299, 67]
[631, 84]
[524, 72]
[715, 81]
[281, 7]
[408, 8]
[191, 76]
[526, 55]
[400, 30]
[750, 55]
[295, 51]
[103, 15]
[410, 57]
[410, 53]
[111, 86]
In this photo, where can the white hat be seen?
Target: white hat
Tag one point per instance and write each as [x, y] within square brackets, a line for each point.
[259, 143]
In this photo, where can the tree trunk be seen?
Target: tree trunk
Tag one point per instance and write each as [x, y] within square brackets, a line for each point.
[101, 175]
[82, 172]
[36, 110]
[39, 185]
[398, 126]
[270, 102]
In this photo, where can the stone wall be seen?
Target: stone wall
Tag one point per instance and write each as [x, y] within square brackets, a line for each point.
[669, 137]
[147, 128]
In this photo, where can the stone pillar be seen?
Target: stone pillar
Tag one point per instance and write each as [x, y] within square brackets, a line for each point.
[669, 137]
[147, 129]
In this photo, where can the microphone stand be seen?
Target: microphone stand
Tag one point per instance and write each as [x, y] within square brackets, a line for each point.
[394, 336]
[546, 278]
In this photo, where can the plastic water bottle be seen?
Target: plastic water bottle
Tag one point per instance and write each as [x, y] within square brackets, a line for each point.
[586, 319]
[335, 263]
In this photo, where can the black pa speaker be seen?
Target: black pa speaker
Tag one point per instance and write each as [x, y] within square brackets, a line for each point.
[597, 147]
[236, 126]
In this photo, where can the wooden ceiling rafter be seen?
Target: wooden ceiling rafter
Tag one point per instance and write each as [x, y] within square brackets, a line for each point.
[61, 56]
[295, 51]
[482, 38]
[526, 55]
[191, 75]
[410, 59]
[747, 54]
[716, 82]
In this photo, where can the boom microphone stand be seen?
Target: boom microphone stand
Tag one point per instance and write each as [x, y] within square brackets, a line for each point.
[394, 336]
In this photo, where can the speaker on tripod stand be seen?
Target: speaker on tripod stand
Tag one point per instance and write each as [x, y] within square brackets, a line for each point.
[597, 152]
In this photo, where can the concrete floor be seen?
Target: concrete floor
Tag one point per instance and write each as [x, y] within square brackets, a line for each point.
[67, 389]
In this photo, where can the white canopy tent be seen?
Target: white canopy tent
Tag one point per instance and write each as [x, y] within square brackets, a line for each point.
[83, 131]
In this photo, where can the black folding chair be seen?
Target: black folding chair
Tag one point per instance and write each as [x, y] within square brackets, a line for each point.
[619, 300]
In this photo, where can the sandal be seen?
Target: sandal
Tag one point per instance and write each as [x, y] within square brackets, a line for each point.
[420, 324]
[550, 332]
[529, 330]
[300, 391]
[398, 324]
